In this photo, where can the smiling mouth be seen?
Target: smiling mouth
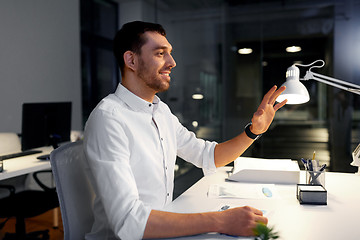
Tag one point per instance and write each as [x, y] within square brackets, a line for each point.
[166, 75]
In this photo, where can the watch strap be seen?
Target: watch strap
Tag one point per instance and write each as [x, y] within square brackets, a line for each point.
[250, 134]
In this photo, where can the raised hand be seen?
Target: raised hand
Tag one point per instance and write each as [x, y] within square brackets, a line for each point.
[265, 113]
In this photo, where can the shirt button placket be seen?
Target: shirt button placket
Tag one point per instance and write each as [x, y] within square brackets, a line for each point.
[165, 165]
[166, 171]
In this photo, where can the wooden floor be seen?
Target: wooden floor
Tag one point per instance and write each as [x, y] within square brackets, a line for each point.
[41, 222]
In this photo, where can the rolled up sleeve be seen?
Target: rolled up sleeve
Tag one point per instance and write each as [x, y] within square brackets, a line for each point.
[196, 151]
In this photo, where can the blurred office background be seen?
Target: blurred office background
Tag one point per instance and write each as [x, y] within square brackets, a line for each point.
[62, 51]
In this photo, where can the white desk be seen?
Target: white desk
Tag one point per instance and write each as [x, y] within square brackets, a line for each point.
[26, 164]
[339, 219]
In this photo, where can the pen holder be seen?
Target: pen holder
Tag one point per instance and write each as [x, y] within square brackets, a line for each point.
[315, 178]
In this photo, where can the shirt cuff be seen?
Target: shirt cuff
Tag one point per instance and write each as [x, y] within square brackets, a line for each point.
[135, 223]
[209, 159]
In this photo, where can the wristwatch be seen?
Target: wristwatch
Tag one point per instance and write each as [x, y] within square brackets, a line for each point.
[250, 134]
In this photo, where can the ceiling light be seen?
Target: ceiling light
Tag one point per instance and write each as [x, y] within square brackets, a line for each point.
[197, 96]
[293, 49]
[245, 51]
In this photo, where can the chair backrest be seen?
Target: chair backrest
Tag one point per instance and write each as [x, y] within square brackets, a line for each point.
[74, 190]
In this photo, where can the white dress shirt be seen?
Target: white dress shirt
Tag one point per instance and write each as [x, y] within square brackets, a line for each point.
[131, 147]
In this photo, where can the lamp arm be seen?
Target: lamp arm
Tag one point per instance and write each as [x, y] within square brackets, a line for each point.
[333, 82]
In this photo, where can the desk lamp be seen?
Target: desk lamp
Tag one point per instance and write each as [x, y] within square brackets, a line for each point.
[296, 92]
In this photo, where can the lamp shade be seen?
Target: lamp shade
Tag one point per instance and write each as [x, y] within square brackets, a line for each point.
[295, 92]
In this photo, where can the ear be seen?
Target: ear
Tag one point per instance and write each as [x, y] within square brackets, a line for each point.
[129, 60]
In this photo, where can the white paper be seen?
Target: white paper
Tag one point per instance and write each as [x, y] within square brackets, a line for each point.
[263, 164]
[243, 190]
[311, 188]
[265, 170]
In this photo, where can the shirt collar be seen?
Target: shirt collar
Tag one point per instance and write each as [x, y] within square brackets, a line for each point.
[135, 102]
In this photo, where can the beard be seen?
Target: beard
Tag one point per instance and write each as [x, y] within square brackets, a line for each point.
[152, 78]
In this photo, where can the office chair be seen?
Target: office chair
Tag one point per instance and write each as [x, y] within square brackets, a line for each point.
[74, 190]
[19, 202]
[10, 143]
[26, 204]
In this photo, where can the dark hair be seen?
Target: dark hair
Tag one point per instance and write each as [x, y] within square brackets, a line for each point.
[130, 38]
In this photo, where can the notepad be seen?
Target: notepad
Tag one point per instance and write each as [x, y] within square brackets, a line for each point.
[265, 170]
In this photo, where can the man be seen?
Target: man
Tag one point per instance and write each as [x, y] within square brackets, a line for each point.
[132, 140]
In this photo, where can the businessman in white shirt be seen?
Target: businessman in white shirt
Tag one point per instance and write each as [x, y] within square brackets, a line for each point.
[132, 140]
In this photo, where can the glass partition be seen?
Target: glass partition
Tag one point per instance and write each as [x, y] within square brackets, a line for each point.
[208, 37]
[230, 53]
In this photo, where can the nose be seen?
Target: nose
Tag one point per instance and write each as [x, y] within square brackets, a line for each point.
[171, 61]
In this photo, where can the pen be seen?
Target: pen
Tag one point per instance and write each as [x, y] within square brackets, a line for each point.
[305, 163]
[315, 165]
[310, 171]
[322, 168]
[319, 172]
[225, 207]
[310, 166]
[313, 156]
